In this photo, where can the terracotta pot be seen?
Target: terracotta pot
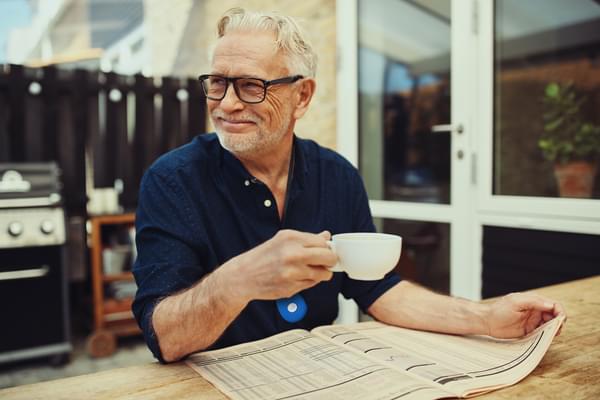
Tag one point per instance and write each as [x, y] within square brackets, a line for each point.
[576, 178]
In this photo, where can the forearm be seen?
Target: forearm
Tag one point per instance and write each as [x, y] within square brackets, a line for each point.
[194, 319]
[411, 306]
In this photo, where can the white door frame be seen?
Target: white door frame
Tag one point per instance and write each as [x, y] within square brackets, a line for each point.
[464, 274]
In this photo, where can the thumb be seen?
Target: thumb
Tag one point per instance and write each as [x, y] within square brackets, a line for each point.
[325, 234]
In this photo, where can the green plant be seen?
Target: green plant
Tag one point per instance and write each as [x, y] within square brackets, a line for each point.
[567, 136]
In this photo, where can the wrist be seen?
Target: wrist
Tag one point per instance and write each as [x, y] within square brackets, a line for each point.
[234, 285]
[481, 320]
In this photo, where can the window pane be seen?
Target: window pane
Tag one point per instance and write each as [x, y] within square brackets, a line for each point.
[404, 90]
[425, 256]
[536, 55]
[516, 259]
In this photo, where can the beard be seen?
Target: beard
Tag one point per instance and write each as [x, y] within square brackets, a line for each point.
[250, 144]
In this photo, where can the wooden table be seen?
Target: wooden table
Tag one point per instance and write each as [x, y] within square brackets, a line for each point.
[570, 369]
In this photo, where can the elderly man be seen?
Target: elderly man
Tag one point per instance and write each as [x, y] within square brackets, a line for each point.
[233, 225]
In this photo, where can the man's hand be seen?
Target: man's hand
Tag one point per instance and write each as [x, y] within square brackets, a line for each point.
[282, 266]
[517, 314]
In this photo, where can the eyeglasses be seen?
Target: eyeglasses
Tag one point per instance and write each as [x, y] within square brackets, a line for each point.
[248, 90]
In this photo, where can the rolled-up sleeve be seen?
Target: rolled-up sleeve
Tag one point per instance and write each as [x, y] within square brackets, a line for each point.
[169, 256]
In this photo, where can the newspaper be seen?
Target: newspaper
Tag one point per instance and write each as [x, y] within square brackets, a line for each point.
[371, 360]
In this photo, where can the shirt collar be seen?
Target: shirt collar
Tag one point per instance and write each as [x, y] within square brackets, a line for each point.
[227, 161]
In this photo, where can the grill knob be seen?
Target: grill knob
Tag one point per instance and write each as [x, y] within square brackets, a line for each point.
[15, 229]
[47, 227]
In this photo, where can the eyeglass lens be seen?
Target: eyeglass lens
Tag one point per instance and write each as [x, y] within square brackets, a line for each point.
[248, 89]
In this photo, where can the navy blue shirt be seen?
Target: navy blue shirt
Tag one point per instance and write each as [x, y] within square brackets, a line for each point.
[198, 207]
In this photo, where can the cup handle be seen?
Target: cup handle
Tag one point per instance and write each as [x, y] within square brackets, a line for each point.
[337, 267]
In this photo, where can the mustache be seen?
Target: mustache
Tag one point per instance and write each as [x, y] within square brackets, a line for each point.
[236, 118]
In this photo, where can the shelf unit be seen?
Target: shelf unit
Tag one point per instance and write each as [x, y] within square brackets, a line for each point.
[112, 317]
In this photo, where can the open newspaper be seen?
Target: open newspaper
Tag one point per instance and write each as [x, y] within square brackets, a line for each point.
[371, 360]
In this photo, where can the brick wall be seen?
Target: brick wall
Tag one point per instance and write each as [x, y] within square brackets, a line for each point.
[181, 32]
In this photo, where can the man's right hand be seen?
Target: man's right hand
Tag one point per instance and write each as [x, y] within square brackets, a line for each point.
[279, 268]
[282, 266]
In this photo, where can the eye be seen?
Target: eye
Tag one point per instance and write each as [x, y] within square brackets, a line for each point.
[251, 85]
[216, 81]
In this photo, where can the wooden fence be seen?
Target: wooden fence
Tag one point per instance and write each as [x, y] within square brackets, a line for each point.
[123, 123]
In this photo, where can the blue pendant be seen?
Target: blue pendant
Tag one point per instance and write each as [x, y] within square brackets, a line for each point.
[292, 309]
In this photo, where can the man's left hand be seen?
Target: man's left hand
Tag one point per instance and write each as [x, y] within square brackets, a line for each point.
[517, 314]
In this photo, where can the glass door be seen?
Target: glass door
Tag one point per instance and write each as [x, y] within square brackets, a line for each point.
[413, 94]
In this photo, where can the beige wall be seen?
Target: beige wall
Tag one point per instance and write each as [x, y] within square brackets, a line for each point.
[180, 33]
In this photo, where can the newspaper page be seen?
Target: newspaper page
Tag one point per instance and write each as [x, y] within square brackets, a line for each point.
[299, 365]
[464, 365]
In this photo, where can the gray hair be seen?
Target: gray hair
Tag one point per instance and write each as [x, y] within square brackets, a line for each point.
[289, 36]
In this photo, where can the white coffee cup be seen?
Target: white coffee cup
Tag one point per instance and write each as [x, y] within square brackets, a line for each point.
[365, 256]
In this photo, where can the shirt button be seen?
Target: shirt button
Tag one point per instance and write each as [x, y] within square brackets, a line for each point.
[246, 182]
[292, 307]
[267, 203]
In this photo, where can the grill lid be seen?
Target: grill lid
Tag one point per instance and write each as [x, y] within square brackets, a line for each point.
[29, 180]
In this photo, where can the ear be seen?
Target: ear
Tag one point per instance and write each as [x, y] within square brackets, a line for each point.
[305, 93]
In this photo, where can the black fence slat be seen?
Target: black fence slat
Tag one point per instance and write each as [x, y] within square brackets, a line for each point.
[144, 143]
[97, 131]
[125, 154]
[66, 150]
[157, 102]
[52, 114]
[32, 125]
[34, 137]
[16, 121]
[94, 139]
[183, 98]
[196, 109]
[171, 124]
[49, 114]
[5, 111]
[79, 103]
[111, 134]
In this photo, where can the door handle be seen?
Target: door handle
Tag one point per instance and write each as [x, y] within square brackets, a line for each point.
[25, 273]
[459, 128]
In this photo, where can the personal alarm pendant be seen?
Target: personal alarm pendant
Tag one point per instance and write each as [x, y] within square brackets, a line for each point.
[292, 309]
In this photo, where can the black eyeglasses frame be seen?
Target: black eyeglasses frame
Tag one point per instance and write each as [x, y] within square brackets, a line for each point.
[233, 80]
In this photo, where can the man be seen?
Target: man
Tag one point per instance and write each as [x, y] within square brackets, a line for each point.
[232, 226]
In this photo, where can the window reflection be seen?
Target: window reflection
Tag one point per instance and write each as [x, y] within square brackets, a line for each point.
[404, 90]
[425, 257]
[536, 52]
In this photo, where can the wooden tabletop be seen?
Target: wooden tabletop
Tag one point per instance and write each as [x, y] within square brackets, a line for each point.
[570, 369]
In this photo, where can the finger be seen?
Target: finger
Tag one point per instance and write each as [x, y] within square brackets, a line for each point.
[559, 310]
[534, 302]
[319, 240]
[313, 274]
[325, 234]
[319, 256]
[533, 322]
[547, 316]
[307, 239]
[321, 273]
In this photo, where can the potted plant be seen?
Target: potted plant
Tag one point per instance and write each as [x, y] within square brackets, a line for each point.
[570, 141]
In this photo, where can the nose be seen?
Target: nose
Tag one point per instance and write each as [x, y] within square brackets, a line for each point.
[231, 102]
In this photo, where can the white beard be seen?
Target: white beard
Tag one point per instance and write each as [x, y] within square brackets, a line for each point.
[251, 144]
